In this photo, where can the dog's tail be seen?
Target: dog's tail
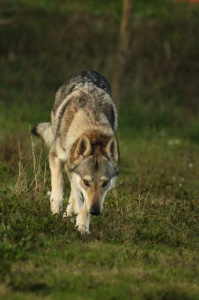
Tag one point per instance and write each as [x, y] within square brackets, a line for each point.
[44, 130]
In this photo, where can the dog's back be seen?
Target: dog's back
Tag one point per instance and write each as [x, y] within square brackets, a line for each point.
[84, 101]
[78, 80]
[87, 91]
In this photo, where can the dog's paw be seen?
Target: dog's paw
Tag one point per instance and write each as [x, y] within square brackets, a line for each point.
[69, 211]
[65, 215]
[70, 217]
[83, 229]
[82, 225]
[56, 207]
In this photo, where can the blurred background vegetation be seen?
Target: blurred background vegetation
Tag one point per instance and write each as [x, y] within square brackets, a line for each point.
[43, 42]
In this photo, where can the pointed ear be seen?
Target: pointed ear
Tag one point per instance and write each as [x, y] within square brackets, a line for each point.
[111, 149]
[83, 147]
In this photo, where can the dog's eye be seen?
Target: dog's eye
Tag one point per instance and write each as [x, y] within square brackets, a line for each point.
[105, 183]
[85, 182]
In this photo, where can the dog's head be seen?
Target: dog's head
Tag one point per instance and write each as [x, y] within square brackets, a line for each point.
[96, 170]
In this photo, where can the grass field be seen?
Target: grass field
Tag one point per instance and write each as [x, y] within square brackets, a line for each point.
[145, 245]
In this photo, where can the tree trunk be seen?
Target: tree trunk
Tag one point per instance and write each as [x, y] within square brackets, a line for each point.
[123, 50]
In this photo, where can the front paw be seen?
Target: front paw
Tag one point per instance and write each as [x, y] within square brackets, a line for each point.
[83, 229]
[56, 207]
[81, 226]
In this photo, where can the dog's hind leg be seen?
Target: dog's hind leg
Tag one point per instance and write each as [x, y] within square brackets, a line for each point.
[69, 210]
[83, 220]
[74, 203]
[56, 199]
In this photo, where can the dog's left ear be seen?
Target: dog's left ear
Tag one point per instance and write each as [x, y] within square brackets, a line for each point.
[111, 149]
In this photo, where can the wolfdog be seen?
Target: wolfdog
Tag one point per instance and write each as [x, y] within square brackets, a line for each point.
[81, 141]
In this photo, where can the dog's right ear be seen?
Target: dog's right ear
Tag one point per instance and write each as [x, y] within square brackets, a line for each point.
[111, 149]
[83, 148]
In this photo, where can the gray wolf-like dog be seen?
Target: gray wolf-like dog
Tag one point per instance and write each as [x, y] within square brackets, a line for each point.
[81, 140]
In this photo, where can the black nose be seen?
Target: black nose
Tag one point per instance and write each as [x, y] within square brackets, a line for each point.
[94, 211]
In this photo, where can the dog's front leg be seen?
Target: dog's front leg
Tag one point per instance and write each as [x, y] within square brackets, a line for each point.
[83, 220]
[56, 199]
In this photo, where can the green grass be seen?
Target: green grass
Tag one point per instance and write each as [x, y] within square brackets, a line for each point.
[145, 244]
